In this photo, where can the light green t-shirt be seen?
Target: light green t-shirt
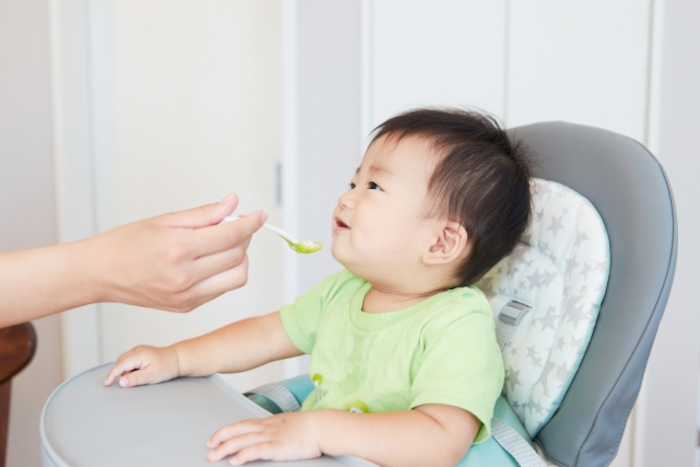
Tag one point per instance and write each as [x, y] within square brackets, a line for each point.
[442, 350]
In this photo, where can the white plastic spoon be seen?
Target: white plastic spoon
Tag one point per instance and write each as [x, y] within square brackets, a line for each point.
[305, 247]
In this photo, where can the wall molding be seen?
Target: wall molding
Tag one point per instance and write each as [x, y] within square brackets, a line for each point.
[75, 203]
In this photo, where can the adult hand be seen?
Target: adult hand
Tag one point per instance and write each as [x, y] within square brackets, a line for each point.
[175, 261]
[172, 262]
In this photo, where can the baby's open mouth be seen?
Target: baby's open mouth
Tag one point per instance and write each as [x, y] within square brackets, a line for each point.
[340, 224]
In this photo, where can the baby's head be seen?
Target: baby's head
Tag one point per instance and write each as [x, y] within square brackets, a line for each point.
[440, 190]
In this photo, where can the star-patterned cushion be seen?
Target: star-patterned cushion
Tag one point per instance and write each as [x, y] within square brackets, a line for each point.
[560, 269]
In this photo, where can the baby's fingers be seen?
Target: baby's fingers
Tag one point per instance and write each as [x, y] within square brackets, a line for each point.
[138, 366]
[234, 445]
[262, 451]
[233, 430]
[137, 378]
[122, 366]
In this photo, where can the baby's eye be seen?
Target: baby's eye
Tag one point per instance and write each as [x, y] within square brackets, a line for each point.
[373, 186]
[351, 186]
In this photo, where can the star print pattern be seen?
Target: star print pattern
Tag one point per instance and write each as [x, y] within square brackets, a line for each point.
[513, 379]
[550, 321]
[559, 269]
[556, 225]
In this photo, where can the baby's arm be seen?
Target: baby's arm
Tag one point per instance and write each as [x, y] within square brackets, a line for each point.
[240, 346]
[430, 434]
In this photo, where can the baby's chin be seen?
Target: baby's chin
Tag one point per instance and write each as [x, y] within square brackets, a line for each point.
[346, 262]
[359, 270]
[338, 255]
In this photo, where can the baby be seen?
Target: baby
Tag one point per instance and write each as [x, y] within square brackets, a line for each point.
[401, 333]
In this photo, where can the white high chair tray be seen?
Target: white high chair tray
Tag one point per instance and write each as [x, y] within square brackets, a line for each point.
[85, 424]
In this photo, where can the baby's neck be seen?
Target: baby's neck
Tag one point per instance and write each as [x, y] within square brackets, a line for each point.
[380, 300]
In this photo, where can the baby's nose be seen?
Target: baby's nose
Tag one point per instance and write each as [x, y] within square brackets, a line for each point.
[346, 200]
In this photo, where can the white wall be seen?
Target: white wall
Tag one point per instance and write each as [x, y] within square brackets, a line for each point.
[27, 199]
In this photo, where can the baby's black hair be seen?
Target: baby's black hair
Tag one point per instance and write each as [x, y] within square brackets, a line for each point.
[482, 181]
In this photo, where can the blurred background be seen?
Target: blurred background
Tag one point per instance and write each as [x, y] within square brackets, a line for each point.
[112, 111]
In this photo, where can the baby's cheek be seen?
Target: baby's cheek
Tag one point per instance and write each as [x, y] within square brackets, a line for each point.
[392, 244]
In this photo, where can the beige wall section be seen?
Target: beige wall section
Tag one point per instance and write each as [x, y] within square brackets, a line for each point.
[197, 93]
[27, 202]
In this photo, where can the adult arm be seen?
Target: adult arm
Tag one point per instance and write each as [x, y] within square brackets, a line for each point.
[173, 262]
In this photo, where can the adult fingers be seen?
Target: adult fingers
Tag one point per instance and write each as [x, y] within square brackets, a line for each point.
[222, 237]
[224, 281]
[210, 288]
[202, 216]
[211, 265]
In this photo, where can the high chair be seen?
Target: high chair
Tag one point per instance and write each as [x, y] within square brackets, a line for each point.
[576, 306]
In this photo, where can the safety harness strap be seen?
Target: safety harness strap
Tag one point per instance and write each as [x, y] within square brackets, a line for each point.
[278, 394]
[514, 444]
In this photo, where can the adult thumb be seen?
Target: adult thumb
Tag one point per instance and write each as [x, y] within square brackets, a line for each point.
[203, 216]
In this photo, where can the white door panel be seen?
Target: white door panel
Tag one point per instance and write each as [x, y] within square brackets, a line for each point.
[583, 62]
[196, 95]
[428, 53]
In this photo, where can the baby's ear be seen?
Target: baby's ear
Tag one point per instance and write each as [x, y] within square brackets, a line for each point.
[449, 244]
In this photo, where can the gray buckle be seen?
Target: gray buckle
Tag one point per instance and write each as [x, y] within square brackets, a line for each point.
[513, 312]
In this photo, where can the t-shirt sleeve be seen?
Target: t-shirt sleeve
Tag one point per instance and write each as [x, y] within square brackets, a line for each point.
[301, 319]
[462, 367]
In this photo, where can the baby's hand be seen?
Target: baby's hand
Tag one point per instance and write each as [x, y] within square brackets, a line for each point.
[282, 437]
[145, 365]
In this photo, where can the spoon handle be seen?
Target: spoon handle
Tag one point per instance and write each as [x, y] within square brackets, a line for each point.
[271, 228]
[281, 233]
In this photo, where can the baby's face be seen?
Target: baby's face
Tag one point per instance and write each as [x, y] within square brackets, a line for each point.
[382, 223]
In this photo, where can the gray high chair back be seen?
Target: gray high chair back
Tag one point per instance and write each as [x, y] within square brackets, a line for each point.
[630, 190]
[85, 424]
